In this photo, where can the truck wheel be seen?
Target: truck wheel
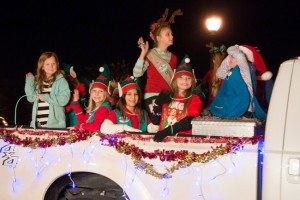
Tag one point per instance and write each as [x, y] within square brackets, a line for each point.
[88, 186]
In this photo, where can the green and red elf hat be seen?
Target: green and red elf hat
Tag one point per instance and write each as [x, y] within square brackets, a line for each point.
[69, 71]
[103, 81]
[184, 68]
[128, 84]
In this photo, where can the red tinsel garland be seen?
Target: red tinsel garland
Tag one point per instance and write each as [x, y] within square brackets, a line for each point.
[183, 158]
[35, 139]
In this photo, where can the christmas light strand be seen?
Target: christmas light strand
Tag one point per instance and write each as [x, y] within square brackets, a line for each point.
[180, 159]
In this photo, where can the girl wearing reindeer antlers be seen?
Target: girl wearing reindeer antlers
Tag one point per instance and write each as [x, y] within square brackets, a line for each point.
[158, 61]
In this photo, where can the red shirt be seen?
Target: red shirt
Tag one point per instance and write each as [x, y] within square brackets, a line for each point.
[133, 118]
[155, 82]
[99, 116]
[174, 113]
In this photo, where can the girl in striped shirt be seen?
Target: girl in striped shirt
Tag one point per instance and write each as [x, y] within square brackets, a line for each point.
[49, 92]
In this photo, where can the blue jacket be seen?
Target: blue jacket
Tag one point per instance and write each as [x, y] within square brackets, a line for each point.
[57, 99]
[233, 98]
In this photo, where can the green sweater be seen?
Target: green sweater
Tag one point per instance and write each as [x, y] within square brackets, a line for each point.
[57, 99]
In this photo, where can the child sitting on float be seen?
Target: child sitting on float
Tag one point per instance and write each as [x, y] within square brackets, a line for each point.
[98, 107]
[128, 115]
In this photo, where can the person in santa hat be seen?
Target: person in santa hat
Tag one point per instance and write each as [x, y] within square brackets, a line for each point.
[253, 55]
[261, 76]
[236, 97]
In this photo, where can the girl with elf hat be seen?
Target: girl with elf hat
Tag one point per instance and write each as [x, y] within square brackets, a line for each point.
[74, 83]
[128, 115]
[158, 61]
[236, 97]
[98, 106]
[181, 104]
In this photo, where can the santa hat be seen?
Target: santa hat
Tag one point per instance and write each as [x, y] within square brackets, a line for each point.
[103, 81]
[128, 84]
[184, 68]
[69, 71]
[254, 56]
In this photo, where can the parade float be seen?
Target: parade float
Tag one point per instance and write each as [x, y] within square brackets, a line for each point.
[228, 162]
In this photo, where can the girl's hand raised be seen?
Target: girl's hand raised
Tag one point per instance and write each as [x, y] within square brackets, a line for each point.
[29, 74]
[144, 47]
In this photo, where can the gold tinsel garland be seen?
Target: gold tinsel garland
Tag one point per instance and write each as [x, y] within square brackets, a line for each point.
[182, 159]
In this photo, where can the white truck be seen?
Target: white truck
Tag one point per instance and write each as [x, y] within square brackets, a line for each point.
[56, 165]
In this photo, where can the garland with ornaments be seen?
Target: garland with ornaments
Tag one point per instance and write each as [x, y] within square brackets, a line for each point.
[180, 159]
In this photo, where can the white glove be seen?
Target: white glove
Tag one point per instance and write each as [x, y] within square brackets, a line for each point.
[108, 127]
[151, 128]
[130, 129]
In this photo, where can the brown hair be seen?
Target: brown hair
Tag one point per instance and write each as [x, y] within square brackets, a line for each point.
[121, 105]
[157, 32]
[40, 73]
[187, 93]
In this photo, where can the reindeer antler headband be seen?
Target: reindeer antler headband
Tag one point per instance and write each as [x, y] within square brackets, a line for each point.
[214, 49]
[163, 21]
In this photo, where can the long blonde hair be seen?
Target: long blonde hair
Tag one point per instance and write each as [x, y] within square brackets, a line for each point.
[217, 59]
[92, 105]
[40, 73]
[218, 54]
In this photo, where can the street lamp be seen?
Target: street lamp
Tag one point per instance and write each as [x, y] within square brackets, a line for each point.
[213, 24]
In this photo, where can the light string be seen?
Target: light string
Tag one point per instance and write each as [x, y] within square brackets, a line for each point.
[17, 106]
[181, 159]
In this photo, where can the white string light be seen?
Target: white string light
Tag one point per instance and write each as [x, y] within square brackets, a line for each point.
[222, 173]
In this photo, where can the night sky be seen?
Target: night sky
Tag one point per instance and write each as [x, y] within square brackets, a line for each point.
[90, 33]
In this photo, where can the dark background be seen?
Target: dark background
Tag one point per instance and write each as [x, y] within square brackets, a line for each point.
[87, 34]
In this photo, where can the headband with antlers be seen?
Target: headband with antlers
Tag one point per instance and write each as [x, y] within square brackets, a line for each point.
[162, 21]
[214, 49]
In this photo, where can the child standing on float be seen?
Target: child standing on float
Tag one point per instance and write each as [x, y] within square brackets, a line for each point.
[98, 107]
[158, 62]
[128, 115]
[180, 106]
[214, 83]
[49, 92]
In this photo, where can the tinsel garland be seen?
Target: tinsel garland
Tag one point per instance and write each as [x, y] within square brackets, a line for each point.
[182, 158]
[42, 139]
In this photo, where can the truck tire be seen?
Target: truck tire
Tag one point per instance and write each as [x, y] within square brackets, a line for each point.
[89, 186]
